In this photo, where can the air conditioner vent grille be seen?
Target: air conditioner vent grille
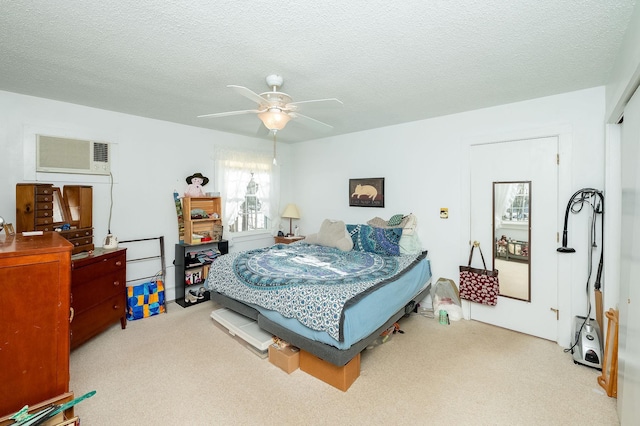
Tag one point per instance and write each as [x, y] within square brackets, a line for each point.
[100, 152]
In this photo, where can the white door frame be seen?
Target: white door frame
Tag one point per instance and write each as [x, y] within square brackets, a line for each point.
[564, 133]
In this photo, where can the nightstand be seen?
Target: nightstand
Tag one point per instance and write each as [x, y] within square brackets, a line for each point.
[287, 240]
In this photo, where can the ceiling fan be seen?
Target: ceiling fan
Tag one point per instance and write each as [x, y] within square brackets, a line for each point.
[275, 108]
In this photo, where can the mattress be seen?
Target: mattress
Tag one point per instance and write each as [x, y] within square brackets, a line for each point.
[366, 295]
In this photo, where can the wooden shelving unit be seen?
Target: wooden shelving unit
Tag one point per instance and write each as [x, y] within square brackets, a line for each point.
[202, 241]
[202, 218]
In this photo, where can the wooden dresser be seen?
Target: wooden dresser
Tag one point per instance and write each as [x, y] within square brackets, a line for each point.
[35, 275]
[98, 293]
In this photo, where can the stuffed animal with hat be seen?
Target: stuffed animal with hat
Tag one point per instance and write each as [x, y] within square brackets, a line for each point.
[196, 181]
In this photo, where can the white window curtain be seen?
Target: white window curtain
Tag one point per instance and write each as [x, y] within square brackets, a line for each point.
[504, 196]
[232, 173]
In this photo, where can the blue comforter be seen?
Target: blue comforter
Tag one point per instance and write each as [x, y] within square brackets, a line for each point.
[311, 283]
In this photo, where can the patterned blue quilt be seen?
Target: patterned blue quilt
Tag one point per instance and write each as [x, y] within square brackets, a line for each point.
[311, 283]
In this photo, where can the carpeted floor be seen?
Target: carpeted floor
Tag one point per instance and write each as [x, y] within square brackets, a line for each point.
[182, 368]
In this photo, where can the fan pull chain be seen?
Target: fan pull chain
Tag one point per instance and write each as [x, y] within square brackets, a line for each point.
[275, 163]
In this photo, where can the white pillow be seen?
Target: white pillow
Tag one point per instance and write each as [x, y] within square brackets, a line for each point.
[333, 233]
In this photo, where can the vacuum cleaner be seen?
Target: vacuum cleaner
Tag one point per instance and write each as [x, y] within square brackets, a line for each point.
[587, 347]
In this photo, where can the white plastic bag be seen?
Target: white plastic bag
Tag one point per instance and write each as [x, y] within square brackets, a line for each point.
[444, 295]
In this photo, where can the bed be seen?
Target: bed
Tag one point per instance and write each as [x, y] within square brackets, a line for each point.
[329, 301]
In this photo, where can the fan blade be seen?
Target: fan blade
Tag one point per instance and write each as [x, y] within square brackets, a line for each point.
[332, 102]
[228, 113]
[308, 121]
[249, 94]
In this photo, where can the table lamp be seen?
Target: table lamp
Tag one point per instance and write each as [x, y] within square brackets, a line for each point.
[291, 212]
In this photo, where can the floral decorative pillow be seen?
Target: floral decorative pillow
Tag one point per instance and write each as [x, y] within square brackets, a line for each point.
[375, 240]
[409, 242]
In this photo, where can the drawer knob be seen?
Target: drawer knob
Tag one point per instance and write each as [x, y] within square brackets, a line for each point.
[116, 283]
[119, 263]
[71, 314]
[115, 307]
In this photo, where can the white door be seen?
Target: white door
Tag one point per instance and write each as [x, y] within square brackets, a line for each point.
[532, 160]
[629, 327]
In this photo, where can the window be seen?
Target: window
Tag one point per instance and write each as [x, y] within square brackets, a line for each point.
[250, 214]
[248, 186]
[517, 210]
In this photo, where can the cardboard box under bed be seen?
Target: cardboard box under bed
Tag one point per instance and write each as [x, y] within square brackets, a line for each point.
[287, 358]
[338, 377]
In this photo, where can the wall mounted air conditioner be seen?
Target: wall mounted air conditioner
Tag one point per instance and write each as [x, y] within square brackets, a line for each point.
[64, 155]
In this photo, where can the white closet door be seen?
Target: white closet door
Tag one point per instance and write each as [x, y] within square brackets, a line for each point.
[629, 331]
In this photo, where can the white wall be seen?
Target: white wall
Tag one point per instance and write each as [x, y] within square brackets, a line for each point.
[425, 166]
[152, 159]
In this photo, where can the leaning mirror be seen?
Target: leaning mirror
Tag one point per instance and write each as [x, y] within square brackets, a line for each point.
[512, 237]
[61, 213]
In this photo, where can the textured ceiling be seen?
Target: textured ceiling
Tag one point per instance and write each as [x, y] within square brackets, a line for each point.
[388, 62]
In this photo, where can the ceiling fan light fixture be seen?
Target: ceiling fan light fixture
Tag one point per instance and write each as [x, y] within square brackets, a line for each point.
[274, 118]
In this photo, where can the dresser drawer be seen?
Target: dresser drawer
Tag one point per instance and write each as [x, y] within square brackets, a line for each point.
[77, 233]
[44, 189]
[82, 249]
[86, 294]
[44, 228]
[43, 221]
[44, 198]
[98, 267]
[93, 321]
[43, 216]
[82, 241]
[44, 209]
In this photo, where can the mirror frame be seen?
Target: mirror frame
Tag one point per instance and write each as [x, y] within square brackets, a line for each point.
[493, 232]
[60, 206]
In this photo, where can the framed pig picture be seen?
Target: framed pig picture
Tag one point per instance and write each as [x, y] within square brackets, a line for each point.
[366, 192]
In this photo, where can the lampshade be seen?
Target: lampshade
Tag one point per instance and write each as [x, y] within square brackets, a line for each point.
[274, 119]
[291, 212]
